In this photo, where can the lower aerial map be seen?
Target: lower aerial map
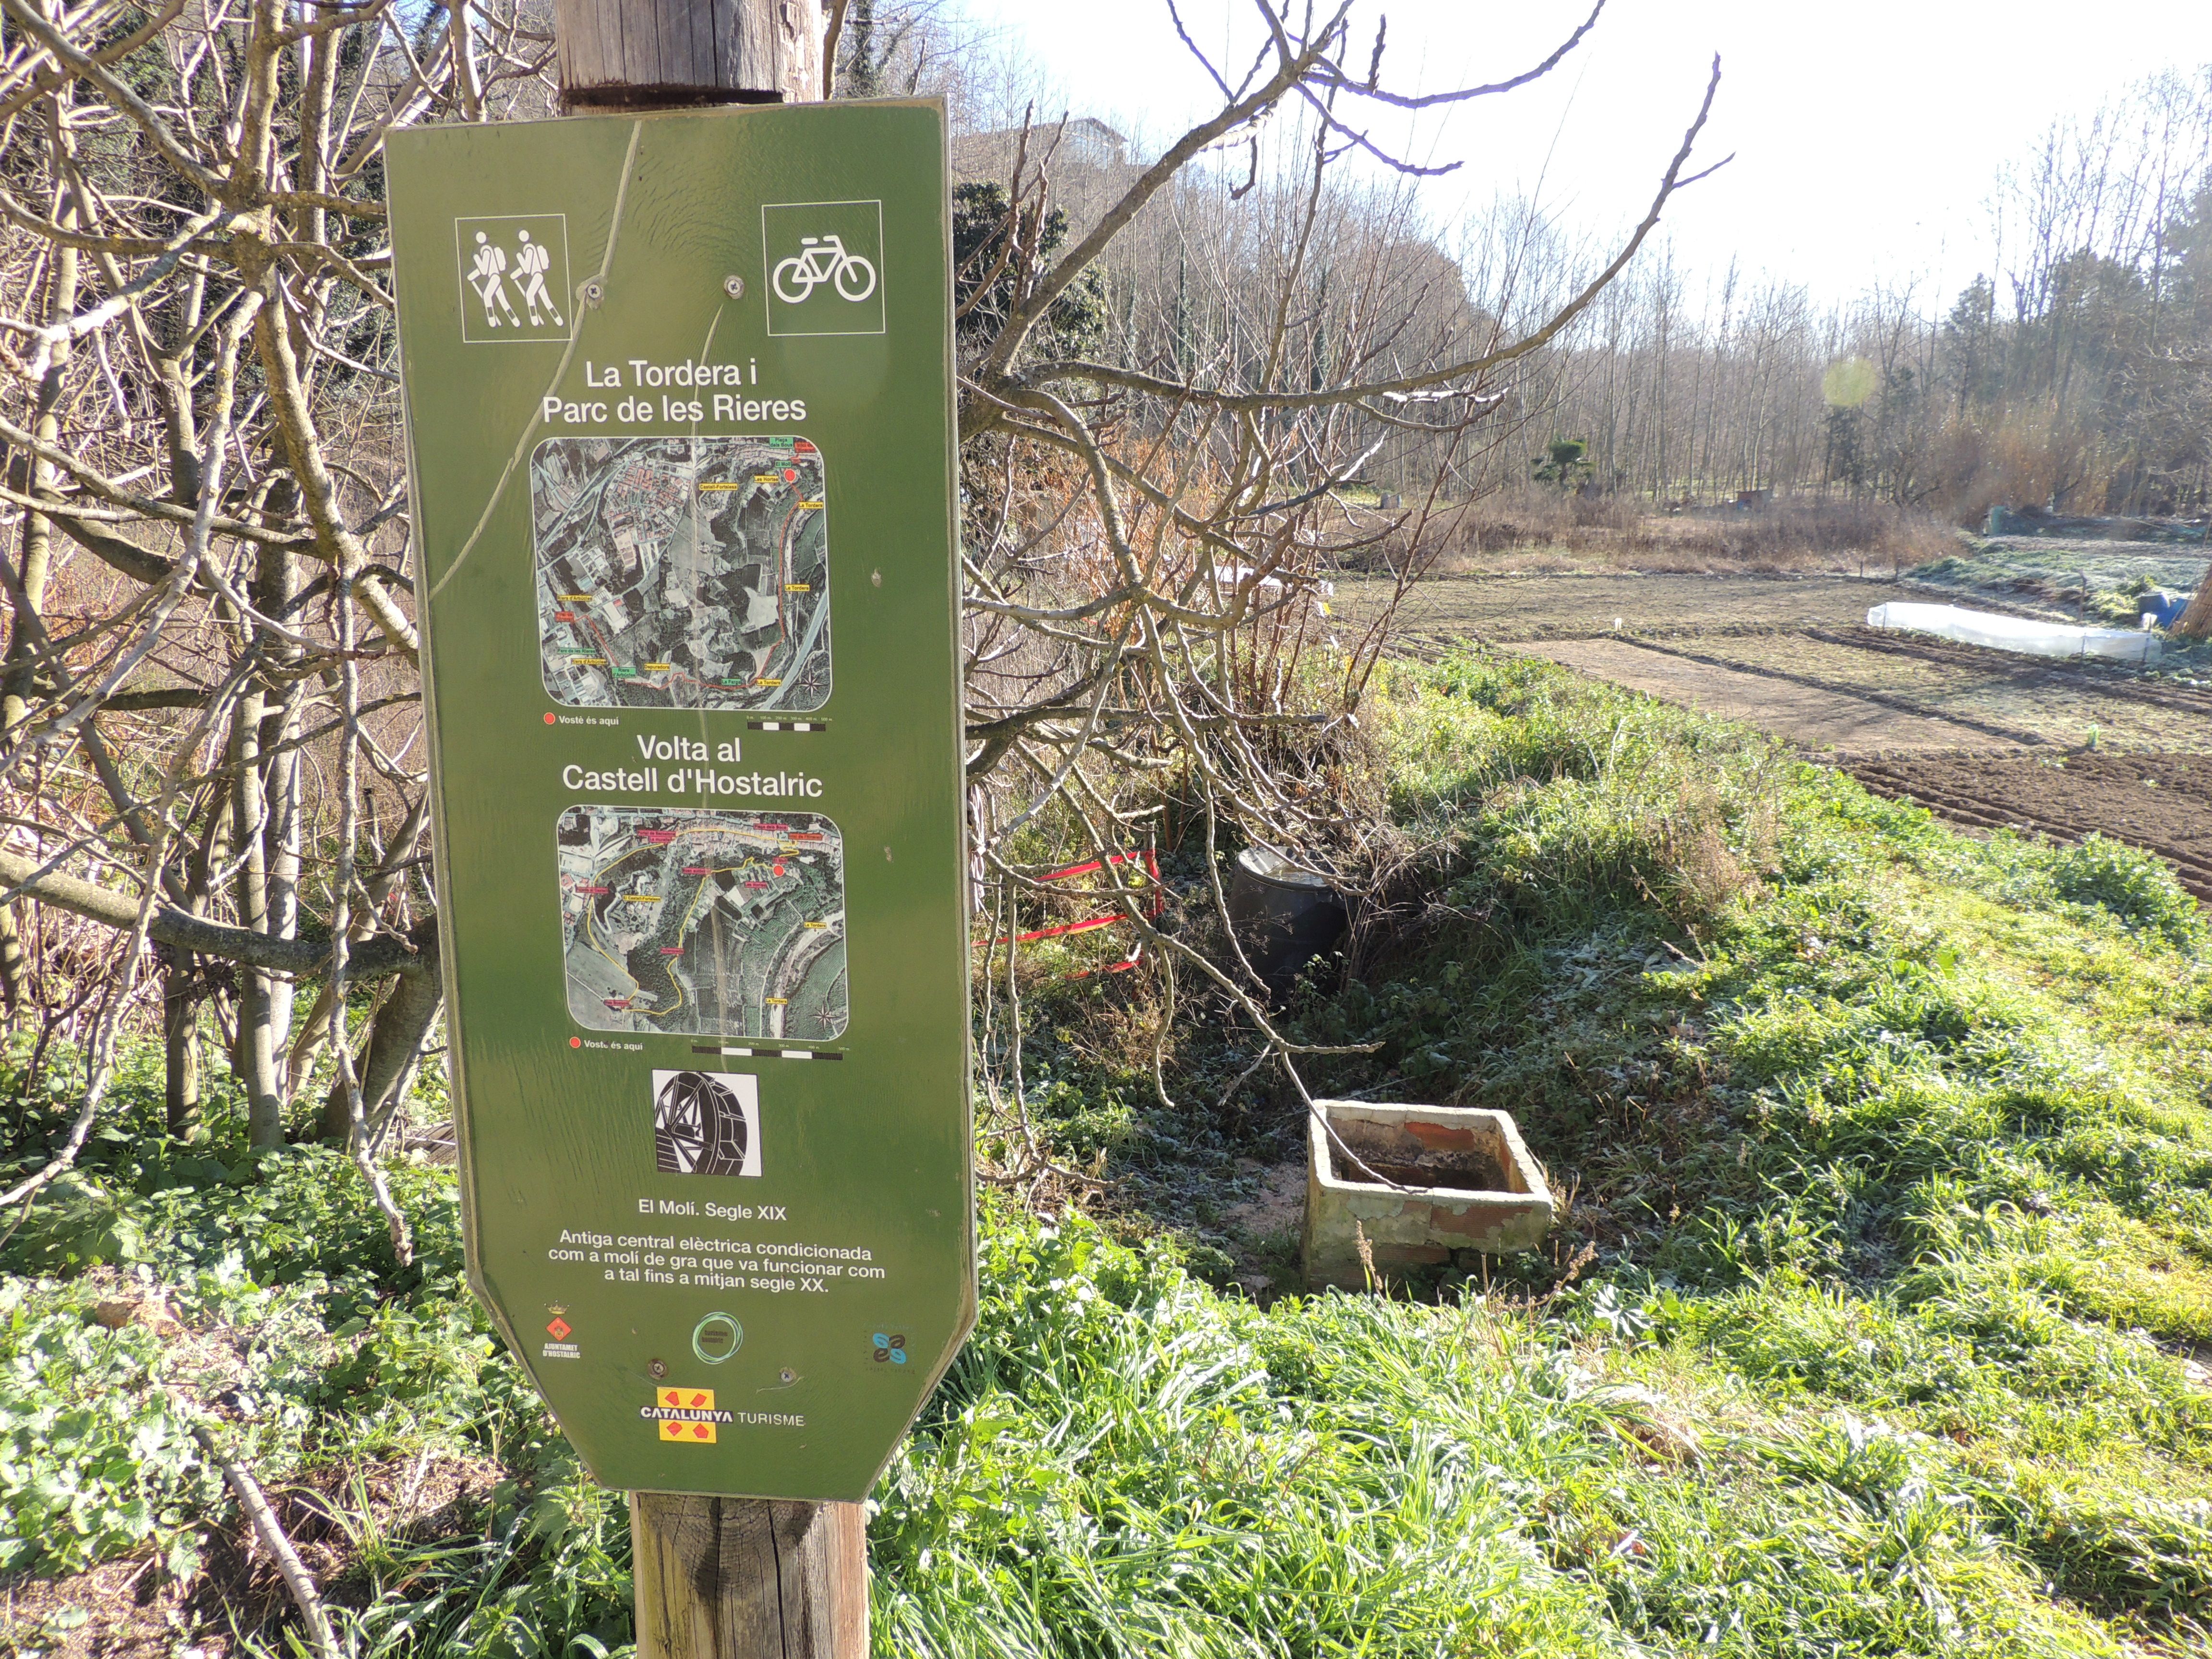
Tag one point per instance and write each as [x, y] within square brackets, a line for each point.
[695, 921]
[682, 573]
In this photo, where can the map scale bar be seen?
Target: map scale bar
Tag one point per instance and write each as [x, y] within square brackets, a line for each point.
[769, 1054]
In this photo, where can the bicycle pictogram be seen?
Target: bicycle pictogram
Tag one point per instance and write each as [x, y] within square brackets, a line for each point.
[808, 247]
[824, 260]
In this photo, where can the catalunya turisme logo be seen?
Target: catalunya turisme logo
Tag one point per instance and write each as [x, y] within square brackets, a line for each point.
[687, 1415]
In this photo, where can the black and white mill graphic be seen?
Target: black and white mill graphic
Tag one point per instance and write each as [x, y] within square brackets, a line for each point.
[706, 1123]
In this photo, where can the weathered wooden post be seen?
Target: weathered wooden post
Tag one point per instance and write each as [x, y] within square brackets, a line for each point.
[722, 1578]
[675, 54]
[750, 1578]
[640, 354]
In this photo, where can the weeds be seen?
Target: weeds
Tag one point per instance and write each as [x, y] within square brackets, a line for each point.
[1791, 535]
[1874, 1326]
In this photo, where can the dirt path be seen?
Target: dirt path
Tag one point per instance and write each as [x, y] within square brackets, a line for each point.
[1816, 717]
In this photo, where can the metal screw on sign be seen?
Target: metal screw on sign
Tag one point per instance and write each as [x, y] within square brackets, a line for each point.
[734, 287]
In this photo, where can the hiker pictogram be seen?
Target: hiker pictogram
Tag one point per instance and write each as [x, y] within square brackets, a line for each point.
[514, 277]
[532, 262]
[488, 276]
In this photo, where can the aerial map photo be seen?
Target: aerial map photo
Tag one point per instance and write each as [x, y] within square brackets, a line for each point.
[695, 921]
[682, 573]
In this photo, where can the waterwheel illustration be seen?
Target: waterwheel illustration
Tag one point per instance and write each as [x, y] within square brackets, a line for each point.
[698, 1127]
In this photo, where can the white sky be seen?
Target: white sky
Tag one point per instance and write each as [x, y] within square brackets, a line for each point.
[1868, 133]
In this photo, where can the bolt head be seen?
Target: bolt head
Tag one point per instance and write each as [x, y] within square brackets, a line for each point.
[656, 1369]
[734, 287]
[594, 292]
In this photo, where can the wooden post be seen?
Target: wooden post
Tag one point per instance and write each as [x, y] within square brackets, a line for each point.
[670, 54]
[737, 1578]
[722, 1577]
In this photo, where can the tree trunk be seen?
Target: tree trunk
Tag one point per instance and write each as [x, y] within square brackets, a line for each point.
[739, 1578]
[38, 476]
[387, 1069]
[722, 1577]
[257, 1051]
[181, 1041]
[276, 582]
[2195, 622]
[185, 989]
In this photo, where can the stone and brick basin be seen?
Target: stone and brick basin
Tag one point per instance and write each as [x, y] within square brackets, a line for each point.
[1465, 1187]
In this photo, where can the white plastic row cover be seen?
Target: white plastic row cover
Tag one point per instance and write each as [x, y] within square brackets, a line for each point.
[2037, 639]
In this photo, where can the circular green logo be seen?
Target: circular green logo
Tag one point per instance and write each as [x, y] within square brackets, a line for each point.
[716, 1337]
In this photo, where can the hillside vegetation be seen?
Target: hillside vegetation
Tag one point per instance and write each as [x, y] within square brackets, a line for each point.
[1875, 1326]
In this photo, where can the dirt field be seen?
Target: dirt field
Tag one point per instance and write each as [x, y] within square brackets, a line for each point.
[1444, 609]
[1985, 738]
[2159, 801]
[1985, 697]
[1826, 718]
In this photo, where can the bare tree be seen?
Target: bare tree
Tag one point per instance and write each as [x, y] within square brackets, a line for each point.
[2065, 378]
[210, 743]
[210, 737]
[1158, 429]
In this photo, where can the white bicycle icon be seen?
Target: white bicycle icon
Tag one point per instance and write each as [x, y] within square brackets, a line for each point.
[824, 260]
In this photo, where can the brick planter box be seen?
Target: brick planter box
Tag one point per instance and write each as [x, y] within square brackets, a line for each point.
[1465, 1187]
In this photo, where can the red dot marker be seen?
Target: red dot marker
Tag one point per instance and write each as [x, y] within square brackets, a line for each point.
[790, 475]
[575, 1042]
[549, 719]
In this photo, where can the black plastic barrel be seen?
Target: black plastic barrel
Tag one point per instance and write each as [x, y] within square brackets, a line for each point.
[1285, 917]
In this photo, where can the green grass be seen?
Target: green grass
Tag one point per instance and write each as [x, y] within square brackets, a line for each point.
[1865, 1334]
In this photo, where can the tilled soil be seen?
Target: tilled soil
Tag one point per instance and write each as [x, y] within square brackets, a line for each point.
[2000, 695]
[2099, 679]
[2003, 749]
[2160, 802]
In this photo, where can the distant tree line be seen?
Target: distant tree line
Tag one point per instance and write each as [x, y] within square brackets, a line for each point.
[2076, 376]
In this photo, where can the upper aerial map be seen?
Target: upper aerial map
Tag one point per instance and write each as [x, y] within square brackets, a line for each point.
[682, 573]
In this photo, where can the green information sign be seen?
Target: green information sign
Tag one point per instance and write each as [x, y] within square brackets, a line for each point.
[680, 396]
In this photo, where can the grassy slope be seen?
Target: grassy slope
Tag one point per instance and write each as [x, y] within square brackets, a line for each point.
[1892, 1221]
